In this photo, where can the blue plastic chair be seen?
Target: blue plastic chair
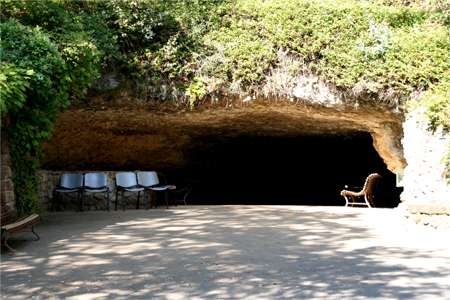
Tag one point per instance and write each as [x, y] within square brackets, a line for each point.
[126, 182]
[69, 183]
[97, 182]
[149, 180]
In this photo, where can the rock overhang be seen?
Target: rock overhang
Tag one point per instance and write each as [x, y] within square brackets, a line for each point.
[125, 136]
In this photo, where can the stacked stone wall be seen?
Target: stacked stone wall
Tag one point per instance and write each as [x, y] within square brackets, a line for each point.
[8, 201]
[48, 180]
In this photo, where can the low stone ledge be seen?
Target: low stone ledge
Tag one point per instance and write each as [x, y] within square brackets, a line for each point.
[433, 214]
[432, 208]
[435, 221]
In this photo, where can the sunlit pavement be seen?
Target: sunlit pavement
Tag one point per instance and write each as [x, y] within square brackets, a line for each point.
[230, 252]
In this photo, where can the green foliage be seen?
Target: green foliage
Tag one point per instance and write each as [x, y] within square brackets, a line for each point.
[196, 91]
[246, 56]
[378, 47]
[83, 61]
[348, 43]
[14, 83]
[139, 23]
[446, 162]
[42, 96]
[437, 102]
[37, 75]
[68, 23]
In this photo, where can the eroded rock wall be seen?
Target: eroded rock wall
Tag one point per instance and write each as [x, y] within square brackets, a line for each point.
[426, 190]
[123, 138]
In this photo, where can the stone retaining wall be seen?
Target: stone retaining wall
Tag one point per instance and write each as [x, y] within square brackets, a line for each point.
[8, 201]
[48, 180]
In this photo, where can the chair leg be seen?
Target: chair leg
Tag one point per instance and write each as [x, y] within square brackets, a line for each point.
[166, 197]
[146, 193]
[82, 194]
[117, 199]
[137, 201]
[107, 199]
[151, 199]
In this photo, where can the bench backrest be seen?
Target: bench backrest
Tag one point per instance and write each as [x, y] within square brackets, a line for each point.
[371, 183]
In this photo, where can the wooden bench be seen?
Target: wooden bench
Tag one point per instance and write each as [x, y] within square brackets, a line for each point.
[365, 196]
[19, 226]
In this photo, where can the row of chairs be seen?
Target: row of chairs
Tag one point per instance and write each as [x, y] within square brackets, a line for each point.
[97, 182]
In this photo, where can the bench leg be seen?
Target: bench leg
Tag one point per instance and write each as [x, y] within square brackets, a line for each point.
[5, 242]
[34, 232]
[346, 201]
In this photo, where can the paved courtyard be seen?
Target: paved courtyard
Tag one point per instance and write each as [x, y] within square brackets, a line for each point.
[230, 252]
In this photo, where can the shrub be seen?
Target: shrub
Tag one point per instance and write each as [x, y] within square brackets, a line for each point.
[14, 83]
[45, 92]
[37, 77]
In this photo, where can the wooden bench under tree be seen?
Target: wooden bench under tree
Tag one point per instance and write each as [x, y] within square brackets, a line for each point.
[9, 227]
[18, 226]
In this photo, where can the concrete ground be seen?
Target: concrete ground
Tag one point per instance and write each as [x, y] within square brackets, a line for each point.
[230, 252]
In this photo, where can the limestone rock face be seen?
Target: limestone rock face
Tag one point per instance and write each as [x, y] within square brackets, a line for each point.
[426, 189]
[157, 137]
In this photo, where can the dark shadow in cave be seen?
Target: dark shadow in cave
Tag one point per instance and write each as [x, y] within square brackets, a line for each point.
[279, 170]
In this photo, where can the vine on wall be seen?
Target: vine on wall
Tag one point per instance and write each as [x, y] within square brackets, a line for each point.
[37, 76]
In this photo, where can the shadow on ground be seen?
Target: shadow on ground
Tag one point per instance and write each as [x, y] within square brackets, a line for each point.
[225, 252]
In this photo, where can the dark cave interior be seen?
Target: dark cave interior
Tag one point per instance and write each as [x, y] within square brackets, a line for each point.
[282, 170]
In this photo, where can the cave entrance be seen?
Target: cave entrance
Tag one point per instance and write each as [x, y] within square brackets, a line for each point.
[283, 170]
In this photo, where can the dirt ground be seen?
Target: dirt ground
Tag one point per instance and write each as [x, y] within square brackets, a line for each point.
[229, 252]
